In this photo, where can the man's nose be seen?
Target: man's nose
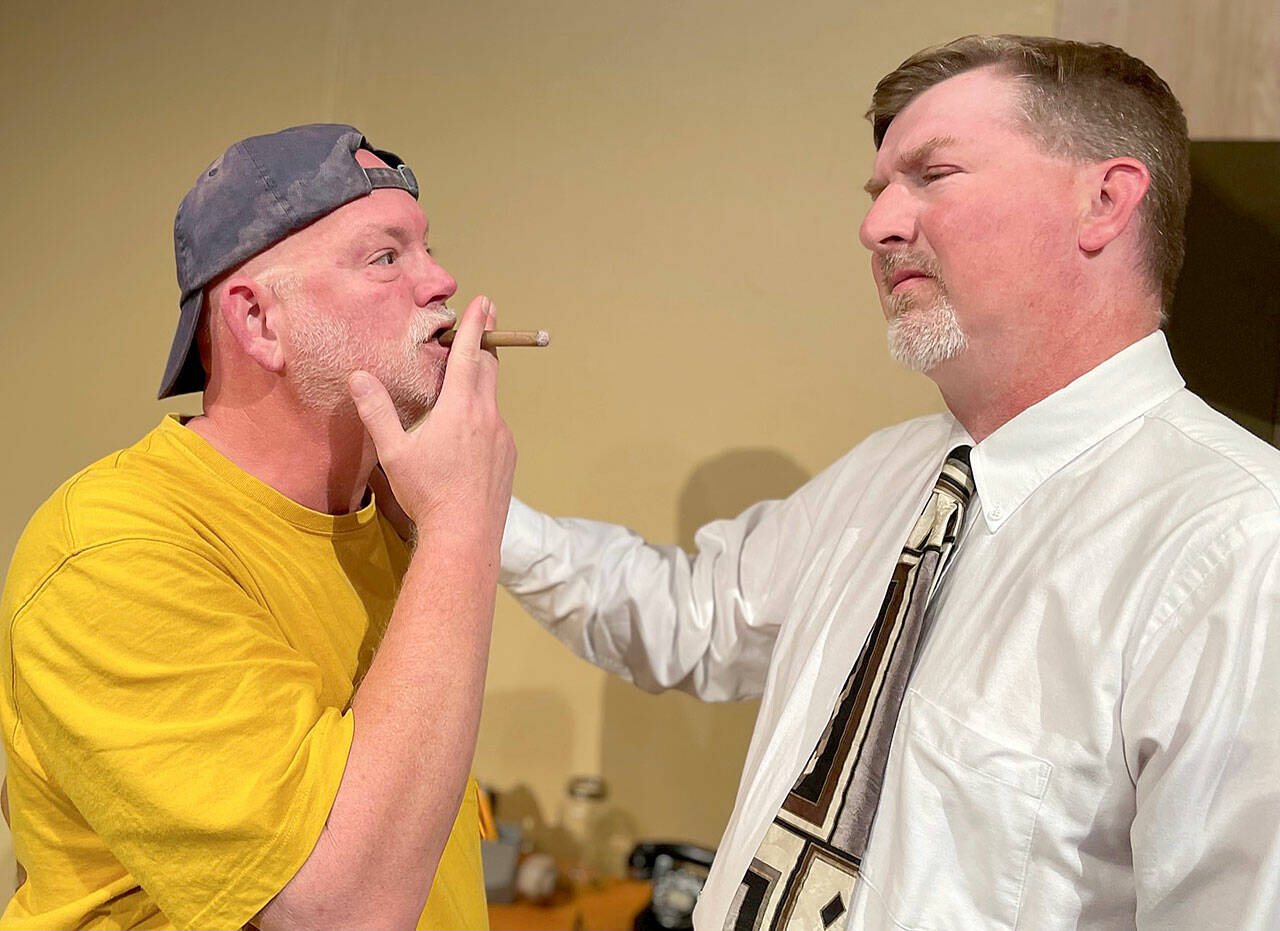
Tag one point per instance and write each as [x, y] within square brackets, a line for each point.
[891, 220]
[434, 284]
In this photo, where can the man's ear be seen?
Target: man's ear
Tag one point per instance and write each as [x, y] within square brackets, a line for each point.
[253, 315]
[1115, 188]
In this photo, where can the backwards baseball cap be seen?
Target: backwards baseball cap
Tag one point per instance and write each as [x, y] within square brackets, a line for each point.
[258, 192]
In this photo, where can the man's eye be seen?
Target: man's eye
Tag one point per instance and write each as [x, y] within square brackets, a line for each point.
[933, 174]
[387, 258]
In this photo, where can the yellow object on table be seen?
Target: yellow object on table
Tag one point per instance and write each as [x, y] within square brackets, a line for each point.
[611, 905]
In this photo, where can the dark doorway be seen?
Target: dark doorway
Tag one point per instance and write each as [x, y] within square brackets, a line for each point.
[1224, 325]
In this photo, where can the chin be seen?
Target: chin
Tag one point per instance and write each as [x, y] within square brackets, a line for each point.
[415, 396]
[412, 411]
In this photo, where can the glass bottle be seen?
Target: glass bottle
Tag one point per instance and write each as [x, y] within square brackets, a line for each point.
[583, 811]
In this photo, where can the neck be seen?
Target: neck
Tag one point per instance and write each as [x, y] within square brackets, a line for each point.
[320, 460]
[985, 389]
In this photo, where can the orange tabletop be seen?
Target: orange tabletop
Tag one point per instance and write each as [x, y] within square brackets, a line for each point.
[612, 905]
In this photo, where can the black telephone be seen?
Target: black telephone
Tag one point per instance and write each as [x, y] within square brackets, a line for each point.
[678, 872]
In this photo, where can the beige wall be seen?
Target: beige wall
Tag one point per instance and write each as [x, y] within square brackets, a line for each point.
[1222, 59]
[673, 189]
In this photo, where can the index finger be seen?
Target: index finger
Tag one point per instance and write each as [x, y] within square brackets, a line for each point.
[464, 354]
[487, 369]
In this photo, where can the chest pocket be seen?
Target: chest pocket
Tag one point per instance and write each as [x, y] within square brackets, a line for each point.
[951, 838]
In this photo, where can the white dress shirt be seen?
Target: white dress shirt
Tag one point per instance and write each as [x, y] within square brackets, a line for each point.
[1091, 736]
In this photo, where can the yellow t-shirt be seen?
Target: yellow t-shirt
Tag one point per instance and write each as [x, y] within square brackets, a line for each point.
[183, 646]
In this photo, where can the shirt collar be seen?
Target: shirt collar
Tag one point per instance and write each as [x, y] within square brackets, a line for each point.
[1022, 454]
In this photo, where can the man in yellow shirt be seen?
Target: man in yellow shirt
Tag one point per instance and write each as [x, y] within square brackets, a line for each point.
[234, 694]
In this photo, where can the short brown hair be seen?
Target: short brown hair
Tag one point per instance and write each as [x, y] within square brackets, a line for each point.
[1081, 100]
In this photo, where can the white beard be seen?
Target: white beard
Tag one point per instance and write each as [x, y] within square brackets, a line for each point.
[923, 337]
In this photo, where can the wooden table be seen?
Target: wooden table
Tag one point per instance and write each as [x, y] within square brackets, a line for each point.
[610, 906]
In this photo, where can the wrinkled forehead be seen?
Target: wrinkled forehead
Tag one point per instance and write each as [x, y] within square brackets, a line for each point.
[970, 105]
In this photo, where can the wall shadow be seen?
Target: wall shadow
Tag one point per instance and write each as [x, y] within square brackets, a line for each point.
[530, 732]
[670, 760]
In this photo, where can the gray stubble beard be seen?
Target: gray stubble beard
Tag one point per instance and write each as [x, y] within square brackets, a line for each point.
[326, 352]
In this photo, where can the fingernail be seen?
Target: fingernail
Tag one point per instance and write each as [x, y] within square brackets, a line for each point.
[488, 307]
[360, 384]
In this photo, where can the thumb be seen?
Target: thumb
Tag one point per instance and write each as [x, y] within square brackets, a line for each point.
[376, 409]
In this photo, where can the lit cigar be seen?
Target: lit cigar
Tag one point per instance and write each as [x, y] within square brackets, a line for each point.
[493, 339]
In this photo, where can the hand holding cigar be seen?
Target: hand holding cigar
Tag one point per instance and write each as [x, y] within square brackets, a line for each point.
[493, 339]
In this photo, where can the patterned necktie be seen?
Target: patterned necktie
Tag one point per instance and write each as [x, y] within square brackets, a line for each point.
[803, 874]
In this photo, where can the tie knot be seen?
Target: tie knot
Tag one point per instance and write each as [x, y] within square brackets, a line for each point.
[957, 474]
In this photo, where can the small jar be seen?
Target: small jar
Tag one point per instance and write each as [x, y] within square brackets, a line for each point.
[582, 821]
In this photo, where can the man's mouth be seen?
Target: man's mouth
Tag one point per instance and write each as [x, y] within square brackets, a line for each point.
[442, 324]
[905, 274]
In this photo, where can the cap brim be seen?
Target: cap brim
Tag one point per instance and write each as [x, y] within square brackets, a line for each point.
[184, 373]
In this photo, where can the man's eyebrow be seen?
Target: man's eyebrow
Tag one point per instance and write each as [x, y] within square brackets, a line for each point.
[911, 159]
[399, 233]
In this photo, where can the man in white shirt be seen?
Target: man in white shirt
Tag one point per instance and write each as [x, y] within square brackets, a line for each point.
[1091, 732]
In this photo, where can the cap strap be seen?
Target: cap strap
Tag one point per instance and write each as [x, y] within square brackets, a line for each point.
[401, 178]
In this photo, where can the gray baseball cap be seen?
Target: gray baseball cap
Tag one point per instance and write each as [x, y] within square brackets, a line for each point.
[258, 192]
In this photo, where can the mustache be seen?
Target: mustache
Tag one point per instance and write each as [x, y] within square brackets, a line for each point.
[431, 319]
[889, 264]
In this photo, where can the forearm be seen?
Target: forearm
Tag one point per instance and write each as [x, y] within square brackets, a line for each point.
[416, 715]
[651, 614]
[586, 582]
[417, 710]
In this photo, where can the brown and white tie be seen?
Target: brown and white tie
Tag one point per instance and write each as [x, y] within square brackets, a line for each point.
[804, 871]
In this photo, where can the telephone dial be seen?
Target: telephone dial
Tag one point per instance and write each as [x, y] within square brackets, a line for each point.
[678, 872]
